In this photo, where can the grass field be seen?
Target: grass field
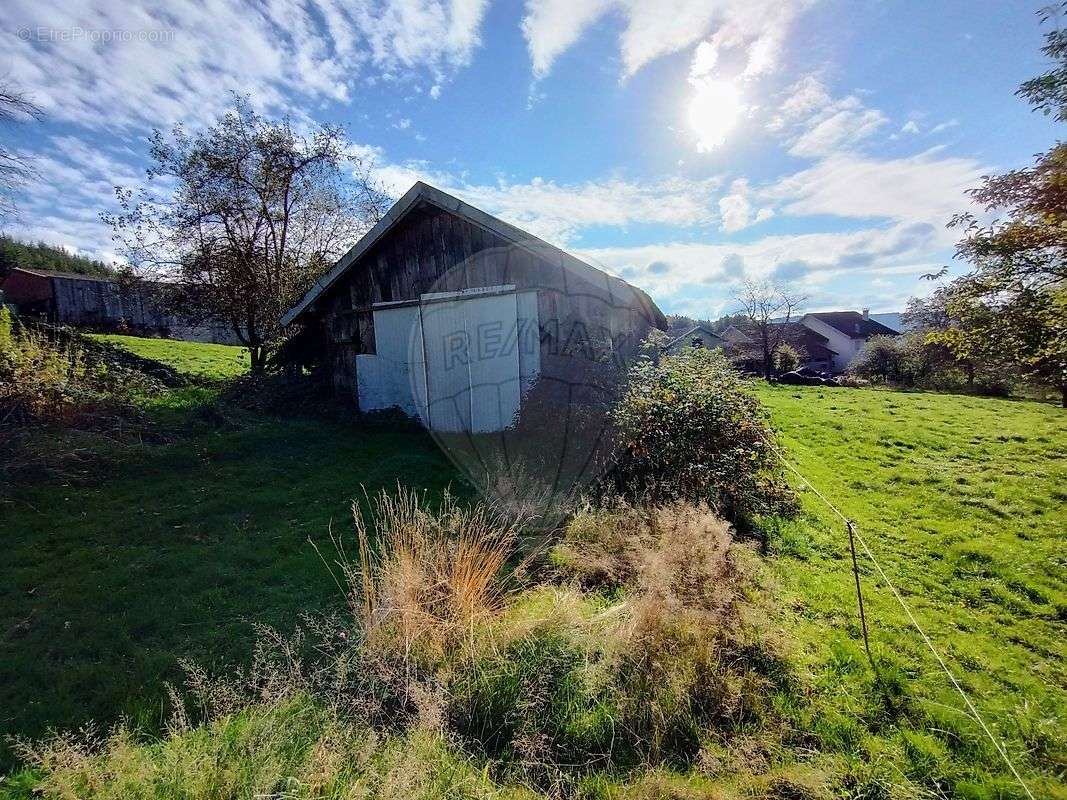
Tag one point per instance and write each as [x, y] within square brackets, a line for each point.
[204, 361]
[177, 549]
[962, 500]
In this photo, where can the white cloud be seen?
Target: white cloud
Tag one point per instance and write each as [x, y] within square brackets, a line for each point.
[801, 100]
[841, 124]
[559, 212]
[911, 126]
[198, 50]
[926, 187]
[815, 125]
[735, 209]
[944, 126]
[806, 260]
[552, 26]
[755, 28]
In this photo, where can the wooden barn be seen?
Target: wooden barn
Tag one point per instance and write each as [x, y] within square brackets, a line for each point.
[101, 303]
[453, 316]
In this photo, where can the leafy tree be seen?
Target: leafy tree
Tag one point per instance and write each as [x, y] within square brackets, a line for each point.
[14, 253]
[1015, 300]
[249, 215]
[764, 305]
[786, 358]
[1048, 93]
[882, 358]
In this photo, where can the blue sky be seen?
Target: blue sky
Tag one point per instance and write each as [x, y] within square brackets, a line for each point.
[684, 145]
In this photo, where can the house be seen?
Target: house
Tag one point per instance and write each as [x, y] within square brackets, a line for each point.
[100, 302]
[453, 316]
[733, 335]
[845, 332]
[813, 346]
[697, 336]
[745, 349]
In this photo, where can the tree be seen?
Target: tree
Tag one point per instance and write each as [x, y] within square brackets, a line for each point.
[768, 307]
[1014, 302]
[15, 168]
[882, 358]
[786, 358]
[250, 214]
[14, 253]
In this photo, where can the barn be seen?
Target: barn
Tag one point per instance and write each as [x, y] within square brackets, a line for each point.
[102, 303]
[454, 316]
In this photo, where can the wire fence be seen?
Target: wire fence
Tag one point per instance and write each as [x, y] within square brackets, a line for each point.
[855, 536]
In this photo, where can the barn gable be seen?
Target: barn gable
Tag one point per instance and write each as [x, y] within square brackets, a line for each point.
[432, 247]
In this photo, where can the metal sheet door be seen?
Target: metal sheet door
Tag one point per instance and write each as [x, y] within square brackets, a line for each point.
[472, 363]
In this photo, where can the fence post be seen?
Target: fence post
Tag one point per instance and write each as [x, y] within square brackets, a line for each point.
[859, 592]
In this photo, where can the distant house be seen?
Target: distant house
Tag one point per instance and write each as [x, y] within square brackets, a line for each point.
[455, 317]
[697, 336]
[745, 350]
[845, 332]
[733, 335]
[100, 302]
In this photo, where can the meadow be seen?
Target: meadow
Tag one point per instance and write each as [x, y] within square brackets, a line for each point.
[178, 549]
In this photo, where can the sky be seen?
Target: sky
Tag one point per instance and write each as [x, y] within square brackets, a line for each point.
[685, 145]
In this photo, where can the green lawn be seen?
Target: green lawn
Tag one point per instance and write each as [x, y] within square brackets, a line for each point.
[963, 502]
[149, 553]
[162, 551]
[212, 362]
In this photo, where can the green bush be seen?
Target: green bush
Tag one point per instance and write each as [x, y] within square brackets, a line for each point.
[688, 430]
[786, 358]
[537, 705]
[48, 376]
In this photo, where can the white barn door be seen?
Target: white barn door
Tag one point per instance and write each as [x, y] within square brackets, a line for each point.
[471, 345]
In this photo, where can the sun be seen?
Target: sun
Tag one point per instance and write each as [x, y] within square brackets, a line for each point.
[714, 109]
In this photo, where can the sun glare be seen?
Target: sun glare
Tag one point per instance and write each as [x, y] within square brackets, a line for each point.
[713, 112]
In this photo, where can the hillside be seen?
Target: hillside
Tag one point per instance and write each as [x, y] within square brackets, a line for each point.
[176, 550]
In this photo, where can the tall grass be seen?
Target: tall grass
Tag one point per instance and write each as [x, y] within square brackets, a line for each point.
[631, 652]
[47, 377]
[424, 577]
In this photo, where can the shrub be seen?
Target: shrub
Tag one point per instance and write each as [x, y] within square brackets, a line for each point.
[539, 706]
[47, 376]
[882, 358]
[687, 429]
[786, 358]
[683, 660]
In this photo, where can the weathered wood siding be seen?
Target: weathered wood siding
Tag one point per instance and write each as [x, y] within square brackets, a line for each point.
[580, 309]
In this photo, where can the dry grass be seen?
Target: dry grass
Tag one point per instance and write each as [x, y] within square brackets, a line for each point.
[673, 556]
[424, 577]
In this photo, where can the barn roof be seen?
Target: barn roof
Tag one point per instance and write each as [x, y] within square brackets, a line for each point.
[424, 192]
[694, 329]
[852, 323]
[77, 276]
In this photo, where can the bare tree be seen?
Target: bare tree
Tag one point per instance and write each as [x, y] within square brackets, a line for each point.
[15, 168]
[251, 213]
[768, 307]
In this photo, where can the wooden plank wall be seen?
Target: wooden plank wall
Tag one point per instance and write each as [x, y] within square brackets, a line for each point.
[580, 309]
